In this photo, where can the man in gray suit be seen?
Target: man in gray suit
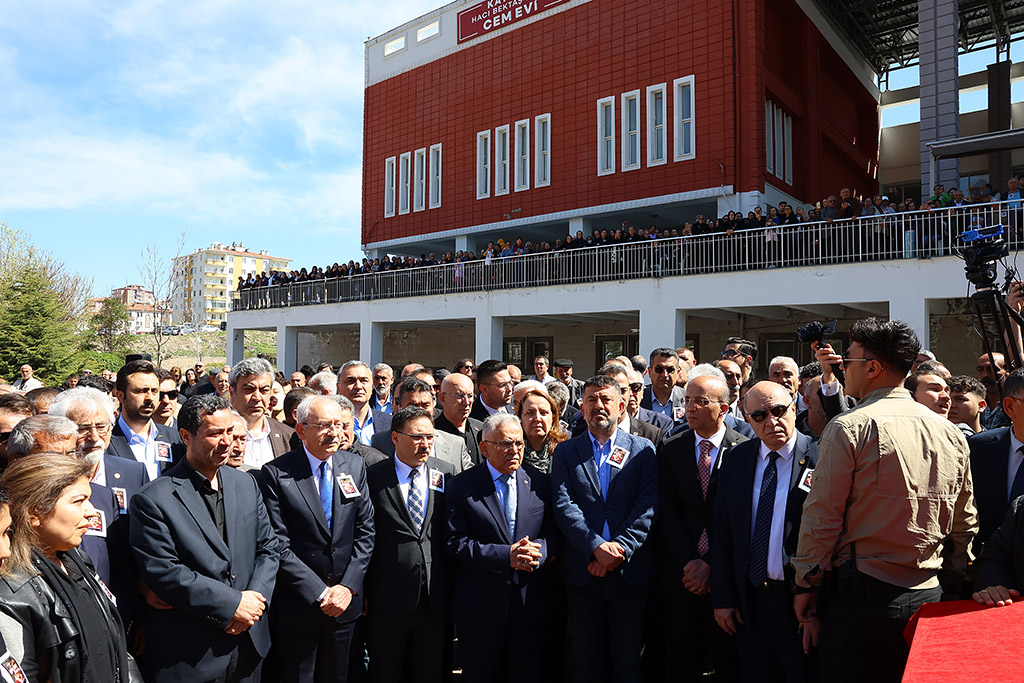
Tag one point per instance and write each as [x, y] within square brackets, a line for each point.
[413, 391]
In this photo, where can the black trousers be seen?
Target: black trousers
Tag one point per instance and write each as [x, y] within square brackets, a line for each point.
[769, 644]
[406, 647]
[313, 648]
[491, 646]
[695, 644]
[606, 624]
[862, 635]
[245, 665]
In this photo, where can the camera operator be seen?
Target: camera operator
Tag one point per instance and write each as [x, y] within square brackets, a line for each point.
[891, 496]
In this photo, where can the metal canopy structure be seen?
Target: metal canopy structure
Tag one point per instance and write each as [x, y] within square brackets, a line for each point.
[885, 31]
[974, 144]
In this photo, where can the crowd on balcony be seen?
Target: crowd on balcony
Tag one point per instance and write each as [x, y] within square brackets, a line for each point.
[837, 228]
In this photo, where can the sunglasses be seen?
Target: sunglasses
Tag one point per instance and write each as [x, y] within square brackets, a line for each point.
[172, 394]
[775, 411]
[636, 387]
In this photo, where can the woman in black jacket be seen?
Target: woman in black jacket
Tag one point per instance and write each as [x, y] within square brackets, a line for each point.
[58, 618]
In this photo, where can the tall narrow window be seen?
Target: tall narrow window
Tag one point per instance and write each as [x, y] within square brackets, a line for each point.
[778, 130]
[523, 155]
[404, 182]
[631, 130]
[435, 176]
[542, 161]
[483, 164]
[656, 133]
[419, 180]
[606, 136]
[502, 171]
[389, 187]
[769, 126]
[683, 106]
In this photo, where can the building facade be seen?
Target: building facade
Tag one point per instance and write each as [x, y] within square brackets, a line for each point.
[537, 118]
[203, 281]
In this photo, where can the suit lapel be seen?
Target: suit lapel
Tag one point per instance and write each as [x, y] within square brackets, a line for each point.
[1004, 464]
[401, 510]
[489, 495]
[229, 490]
[585, 453]
[748, 468]
[189, 497]
[304, 481]
[522, 500]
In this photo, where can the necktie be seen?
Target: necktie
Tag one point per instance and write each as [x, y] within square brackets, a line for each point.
[510, 503]
[415, 502]
[758, 572]
[1018, 481]
[704, 475]
[326, 491]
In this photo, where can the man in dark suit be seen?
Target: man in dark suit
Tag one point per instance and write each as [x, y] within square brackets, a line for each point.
[996, 462]
[250, 384]
[499, 529]
[408, 585]
[765, 480]
[563, 371]
[206, 549]
[495, 384]
[604, 492]
[663, 396]
[355, 382]
[413, 391]
[319, 505]
[136, 436]
[456, 398]
[688, 465]
[627, 421]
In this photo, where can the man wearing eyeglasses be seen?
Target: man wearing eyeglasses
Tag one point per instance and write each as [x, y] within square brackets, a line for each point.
[758, 507]
[413, 391]
[456, 398]
[319, 505]
[408, 582]
[688, 466]
[499, 526]
[136, 436]
[890, 508]
[496, 386]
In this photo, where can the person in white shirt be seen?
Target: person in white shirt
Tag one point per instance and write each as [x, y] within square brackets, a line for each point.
[27, 381]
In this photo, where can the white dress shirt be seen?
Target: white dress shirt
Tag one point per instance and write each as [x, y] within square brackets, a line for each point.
[314, 465]
[403, 470]
[784, 471]
[258, 451]
[143, 447]
[716, 444]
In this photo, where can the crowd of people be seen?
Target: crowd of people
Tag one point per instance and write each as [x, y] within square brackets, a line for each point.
[664, 520]
[766, 237]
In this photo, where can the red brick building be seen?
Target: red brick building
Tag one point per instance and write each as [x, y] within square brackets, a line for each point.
[537, 117]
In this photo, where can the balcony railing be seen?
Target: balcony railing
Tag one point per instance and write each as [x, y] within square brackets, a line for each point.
[918, 234]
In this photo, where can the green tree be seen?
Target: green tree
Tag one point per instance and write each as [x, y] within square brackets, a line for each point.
[108, 328]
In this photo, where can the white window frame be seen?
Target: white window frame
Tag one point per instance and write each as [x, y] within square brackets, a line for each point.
[404, 181]
[631, 138]
[522, 155]
[389, 187]
[394, 46]
[685, 144]
[605, 143]
[542, 153]
[428, 31]
[769, 137]
[419, 180]
[654, 130]
[778, 141]
[787, 156]
[483, 164]
[779, 148]
[502, 160]
[435, 175]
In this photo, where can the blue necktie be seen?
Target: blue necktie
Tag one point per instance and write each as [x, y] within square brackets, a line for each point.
[510, 503]
[1018, 481]
[415, 502]
[326, 491]
[758, 572]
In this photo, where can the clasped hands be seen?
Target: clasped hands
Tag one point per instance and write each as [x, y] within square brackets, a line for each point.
[250, 609]
[607, 558]
[525, 555]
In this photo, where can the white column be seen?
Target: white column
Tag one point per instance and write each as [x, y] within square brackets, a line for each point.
[464, 243]
[490, 338]
[287, 349]
[661, 326]
[236, 345]
[371, 342]
[579, 223]
[915, 312]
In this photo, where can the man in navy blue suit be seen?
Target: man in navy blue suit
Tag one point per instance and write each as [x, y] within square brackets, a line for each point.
[604, 491]
[761, 490]
[499, 528]
[320, 507]
[205, 547]
[136, 436]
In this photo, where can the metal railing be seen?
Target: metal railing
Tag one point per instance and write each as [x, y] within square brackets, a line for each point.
[918, 234]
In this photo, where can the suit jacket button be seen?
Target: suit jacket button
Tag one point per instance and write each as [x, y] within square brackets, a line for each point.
[232, 577]
[508, 582]
[330, 577]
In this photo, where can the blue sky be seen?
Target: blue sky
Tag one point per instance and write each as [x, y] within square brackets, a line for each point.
[127, 122]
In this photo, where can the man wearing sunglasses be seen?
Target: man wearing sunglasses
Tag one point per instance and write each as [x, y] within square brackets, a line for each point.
[762, 480]
[663, 396]
[166, 412]
[743, 352]
[890, 506]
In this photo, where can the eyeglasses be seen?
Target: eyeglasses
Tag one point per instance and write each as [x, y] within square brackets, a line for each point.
[459, 396]
[636, 387]
[508, 446]
[327, 426]
[172, 395]
[418, 437]
[775, 411]
[504, 385]
[731, 353]
[466, 367]
[663, 369]
[847, 359]
[101, 429]
[699, 401]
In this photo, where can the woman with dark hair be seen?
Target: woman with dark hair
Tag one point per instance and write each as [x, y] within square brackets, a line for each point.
[188, 387]
[58, 619]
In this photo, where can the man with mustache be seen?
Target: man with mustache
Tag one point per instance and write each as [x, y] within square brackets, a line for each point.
[136, 436]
